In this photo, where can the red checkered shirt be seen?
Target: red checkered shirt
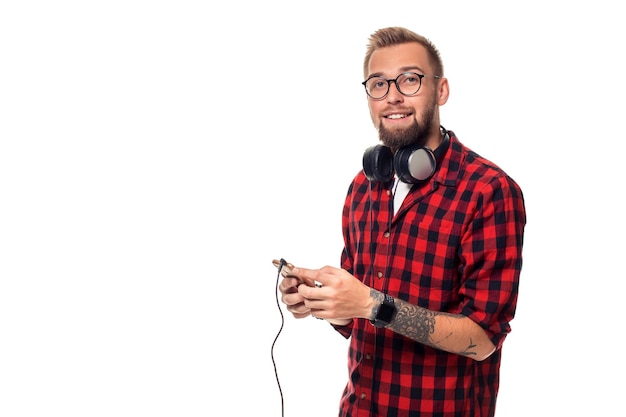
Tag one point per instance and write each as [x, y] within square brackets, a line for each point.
[455, 245]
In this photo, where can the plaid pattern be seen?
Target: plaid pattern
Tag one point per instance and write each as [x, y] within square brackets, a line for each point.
[455, 245]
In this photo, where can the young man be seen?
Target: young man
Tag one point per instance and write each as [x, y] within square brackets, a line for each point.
[433, 252]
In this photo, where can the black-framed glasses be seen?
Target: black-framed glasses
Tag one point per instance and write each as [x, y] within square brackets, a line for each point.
[407, 83]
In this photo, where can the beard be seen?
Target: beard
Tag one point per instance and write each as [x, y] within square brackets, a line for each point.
[416, 134]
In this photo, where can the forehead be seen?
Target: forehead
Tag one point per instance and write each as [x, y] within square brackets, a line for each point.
[391, 60]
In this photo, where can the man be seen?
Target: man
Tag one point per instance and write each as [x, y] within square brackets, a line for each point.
[433, 252]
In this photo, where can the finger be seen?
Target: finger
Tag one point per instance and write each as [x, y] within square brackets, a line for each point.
[292, 299]
[315, 292]
[289, 284]
[317, 314]
[302, 315]
[299, 310]
[308, 276]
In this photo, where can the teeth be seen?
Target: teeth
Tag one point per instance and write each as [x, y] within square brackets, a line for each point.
[396, 116]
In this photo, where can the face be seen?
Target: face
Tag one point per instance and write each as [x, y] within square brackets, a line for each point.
[405, 120]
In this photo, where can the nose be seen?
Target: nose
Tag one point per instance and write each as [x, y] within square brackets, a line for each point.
[394, 95]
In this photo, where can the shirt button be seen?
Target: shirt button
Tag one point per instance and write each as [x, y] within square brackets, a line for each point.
[386, 234]
[388, 192]
[380, 275]
[368, 356]
[363, 396]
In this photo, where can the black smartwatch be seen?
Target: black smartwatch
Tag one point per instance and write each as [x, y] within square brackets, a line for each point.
[386, 312]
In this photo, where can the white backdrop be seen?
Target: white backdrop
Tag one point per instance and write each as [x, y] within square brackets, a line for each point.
[156, 156]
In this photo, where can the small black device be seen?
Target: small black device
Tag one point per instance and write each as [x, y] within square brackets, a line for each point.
[386, 312]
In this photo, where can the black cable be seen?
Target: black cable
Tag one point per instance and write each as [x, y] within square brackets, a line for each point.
[282, 323]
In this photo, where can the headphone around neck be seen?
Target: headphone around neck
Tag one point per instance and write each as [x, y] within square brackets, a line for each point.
[412, 164]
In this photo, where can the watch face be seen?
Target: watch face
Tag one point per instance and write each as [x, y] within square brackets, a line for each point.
[385, 313]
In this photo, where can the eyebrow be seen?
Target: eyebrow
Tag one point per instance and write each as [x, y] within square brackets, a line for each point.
[409, 68]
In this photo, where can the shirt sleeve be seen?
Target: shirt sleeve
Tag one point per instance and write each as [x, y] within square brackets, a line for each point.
[491, 258]
[345, 331]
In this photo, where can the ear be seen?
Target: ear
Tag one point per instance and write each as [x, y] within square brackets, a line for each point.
[443, 91]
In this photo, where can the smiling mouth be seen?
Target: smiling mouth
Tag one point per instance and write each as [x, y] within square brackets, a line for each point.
[397, 116]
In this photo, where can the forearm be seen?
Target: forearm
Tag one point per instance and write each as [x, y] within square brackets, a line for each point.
[453, 333]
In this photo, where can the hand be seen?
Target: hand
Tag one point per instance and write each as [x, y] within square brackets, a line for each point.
[294, 302]
[340, 298]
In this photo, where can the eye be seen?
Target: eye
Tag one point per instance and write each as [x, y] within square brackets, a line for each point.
[410, 79]
[376, 84]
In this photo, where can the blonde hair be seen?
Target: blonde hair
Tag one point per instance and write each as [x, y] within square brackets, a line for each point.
[397, 35]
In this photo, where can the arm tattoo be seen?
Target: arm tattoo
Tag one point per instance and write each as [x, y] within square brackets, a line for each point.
[378, 297]
[418, 324]
[468, 351]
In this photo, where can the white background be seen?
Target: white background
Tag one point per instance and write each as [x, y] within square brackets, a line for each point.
[156, 156]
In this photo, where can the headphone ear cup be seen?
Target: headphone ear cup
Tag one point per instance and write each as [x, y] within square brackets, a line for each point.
[414, 165]
[378, 163]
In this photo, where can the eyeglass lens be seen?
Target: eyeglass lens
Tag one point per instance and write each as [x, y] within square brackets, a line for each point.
[407, 83]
